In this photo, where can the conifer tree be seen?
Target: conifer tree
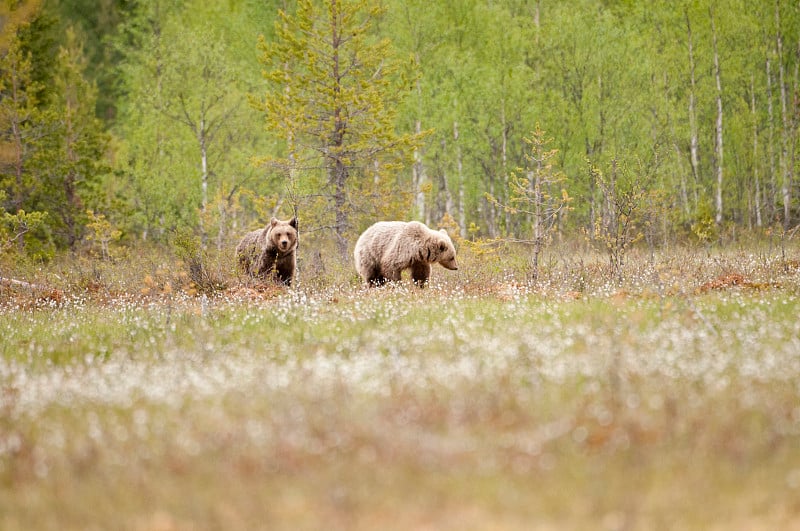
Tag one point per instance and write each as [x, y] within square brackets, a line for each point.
[332, 96]
[69, 162]
[20, 127]
[18, 120]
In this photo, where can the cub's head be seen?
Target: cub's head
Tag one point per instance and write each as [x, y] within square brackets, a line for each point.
[445, 252]
[283, 234]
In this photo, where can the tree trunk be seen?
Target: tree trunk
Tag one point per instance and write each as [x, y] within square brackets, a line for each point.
[418, 169]
[71, 206]
[73, 202]
[18, 196]
[201, 137]
[538, 217]
[462, 217]
[756, 177]
[785, 171]
[718, 126]
[694, 158]
[770, 199]
[491, 214]
[338, 171]
[418, 177]
[504, 161]
[794, 113]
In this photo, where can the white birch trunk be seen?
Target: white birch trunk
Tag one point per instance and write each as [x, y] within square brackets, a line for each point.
[784, 155]
[718, 127]
[462, 216]
[756, 177]
[693, 139]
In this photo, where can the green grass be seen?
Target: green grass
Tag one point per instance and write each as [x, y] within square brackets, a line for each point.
[657, 404]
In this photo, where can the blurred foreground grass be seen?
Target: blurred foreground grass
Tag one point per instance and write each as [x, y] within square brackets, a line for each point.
[505, 407]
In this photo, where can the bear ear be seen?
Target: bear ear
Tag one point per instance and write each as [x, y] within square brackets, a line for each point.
[273, 222]
[293, 222]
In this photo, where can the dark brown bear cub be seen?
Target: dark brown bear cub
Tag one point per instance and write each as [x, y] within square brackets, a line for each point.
[271, 252]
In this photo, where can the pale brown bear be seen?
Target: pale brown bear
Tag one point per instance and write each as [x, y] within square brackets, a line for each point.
[271, 252]
[388, 248]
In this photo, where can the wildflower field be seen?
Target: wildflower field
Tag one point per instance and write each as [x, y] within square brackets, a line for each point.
[669, 399]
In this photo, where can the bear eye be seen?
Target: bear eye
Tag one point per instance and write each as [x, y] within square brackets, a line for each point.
[442, 247]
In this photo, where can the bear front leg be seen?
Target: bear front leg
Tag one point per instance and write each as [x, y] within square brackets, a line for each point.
[284, 271]
[265, 265]
[284, 278]
[376, 281]
[420, 273]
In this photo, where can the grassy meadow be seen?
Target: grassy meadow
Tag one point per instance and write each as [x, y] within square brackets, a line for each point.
[667, 399]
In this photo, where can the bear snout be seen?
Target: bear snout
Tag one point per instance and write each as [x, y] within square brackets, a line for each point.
[450, 264]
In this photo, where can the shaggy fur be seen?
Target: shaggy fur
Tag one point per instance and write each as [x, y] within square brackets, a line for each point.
[271, 252]
[388, 248]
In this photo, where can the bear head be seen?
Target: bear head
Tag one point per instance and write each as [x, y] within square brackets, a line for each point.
[283, 235]
[444, 251]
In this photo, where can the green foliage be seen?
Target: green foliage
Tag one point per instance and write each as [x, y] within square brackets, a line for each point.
[102, 233]
[191, 251]
[20, 123]
[628, 203]
[608, 81]
[53, 148]
[186, 144]
[70, 161]
[95, 21]
[535, 194]
[331, 99]
[704, 229]
[14, 226]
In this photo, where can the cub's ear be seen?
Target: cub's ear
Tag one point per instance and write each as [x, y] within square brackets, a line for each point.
[293, 222]
[444, 231]
[273, 222]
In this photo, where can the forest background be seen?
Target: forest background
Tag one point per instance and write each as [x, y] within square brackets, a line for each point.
[124, 121]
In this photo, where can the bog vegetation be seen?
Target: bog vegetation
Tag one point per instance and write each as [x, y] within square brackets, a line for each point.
[618, 349]
[129, 399]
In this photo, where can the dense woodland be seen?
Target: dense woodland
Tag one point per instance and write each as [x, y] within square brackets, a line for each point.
[130, 121]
